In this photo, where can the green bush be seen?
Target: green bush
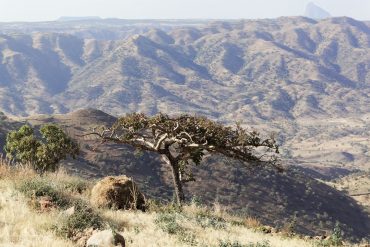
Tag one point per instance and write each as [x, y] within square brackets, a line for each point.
[205, 219]
[167, 223]
[75, 185]
[188, 238]
[336, 239]
[39, 187]
[83, 218]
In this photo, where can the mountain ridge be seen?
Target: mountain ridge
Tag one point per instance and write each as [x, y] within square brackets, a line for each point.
[284, 75]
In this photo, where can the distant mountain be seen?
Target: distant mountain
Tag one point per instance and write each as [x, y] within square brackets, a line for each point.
[315, 12]
[307, 80]
[78, 18]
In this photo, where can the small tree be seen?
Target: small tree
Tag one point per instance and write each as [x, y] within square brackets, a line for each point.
[184, 140]
[45, 153]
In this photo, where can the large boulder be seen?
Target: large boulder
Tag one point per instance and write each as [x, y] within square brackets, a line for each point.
[117, 192]
[107, 238]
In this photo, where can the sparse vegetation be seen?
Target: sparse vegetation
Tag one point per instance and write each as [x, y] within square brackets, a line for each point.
[164, 225]
[40, 187]
[83, 218]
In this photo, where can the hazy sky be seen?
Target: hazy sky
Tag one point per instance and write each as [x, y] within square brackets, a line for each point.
[36, 10]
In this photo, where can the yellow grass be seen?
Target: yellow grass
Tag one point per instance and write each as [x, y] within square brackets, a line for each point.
[20, 226]
[141, 230]
[24, 227]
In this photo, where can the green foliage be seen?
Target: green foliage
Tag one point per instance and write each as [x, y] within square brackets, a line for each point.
[195, 135]
[67, 226]
[168, 222]
[188, 238]
[208, 220]
[83, 218]
[337, 236]
[43, 154]
[41, 187]
[336, 239]
[75, 185]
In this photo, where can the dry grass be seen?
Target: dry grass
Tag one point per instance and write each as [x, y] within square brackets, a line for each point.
[252, 222]
[194, 225]
[21, 226]
[141, 230]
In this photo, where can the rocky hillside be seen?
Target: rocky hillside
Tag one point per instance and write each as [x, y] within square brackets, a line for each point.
[307, 80]
[265, 69]
[274, 198]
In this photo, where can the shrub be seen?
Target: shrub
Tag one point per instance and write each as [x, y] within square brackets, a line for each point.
[167, 223]
[252, 222]
[205, 219]
[336, 239]
[39, 187]
[75, 185]
[188, 238]
[83, 218]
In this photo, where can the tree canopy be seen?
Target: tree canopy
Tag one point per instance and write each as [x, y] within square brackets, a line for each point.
[45, 153]
[184, 140]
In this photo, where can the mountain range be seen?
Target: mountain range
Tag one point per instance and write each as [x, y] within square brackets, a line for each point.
[305, 79]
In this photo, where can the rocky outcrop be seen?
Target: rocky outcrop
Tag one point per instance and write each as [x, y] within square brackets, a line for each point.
[117, 192]
[107, 238]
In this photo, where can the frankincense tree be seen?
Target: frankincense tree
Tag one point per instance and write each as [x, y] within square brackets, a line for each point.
[184, 140]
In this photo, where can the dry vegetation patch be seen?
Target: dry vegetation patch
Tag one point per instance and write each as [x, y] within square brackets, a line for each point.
[161, 225]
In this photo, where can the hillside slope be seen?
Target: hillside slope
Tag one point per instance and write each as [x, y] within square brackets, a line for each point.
[23, 224]
[307, 80]
[274, 198]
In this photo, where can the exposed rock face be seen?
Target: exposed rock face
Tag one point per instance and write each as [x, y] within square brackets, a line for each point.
[315, 12]
[106, 238]
[117, 192]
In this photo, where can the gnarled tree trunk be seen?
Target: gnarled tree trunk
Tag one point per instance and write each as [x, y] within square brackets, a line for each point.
[177, 183]
[180, 196]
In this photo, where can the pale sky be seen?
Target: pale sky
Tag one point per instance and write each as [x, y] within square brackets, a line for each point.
[41, 10]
